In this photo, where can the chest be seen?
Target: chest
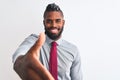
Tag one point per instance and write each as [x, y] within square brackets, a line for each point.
[65, 58]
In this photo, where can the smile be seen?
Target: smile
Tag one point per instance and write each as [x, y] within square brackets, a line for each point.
[55, 30]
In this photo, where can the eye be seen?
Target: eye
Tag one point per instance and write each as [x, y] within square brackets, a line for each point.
[48, 21]
[58, 20]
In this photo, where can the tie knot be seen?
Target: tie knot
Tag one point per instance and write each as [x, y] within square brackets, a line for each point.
[54, 44]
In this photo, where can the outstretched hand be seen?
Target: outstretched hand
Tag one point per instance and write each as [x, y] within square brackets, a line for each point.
[29, 67]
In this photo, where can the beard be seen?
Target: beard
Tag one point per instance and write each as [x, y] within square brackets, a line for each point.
[53, 36]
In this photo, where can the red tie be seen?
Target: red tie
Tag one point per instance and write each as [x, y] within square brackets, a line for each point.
[53, 61]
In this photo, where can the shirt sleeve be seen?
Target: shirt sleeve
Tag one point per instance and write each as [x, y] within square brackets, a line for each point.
[75, 70]
[24, 47]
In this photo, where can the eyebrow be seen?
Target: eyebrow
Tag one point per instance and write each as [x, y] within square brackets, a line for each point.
[55, 19]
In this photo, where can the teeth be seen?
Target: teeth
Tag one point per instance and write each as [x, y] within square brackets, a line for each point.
[54, 30]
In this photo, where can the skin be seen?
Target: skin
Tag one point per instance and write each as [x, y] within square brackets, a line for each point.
[54, 23]
[28, 66]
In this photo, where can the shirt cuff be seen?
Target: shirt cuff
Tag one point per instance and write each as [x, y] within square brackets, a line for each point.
[15, 56]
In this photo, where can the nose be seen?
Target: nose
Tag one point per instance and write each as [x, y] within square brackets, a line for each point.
[54, 24]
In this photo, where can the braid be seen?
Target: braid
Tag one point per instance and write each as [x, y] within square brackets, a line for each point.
[52, 7]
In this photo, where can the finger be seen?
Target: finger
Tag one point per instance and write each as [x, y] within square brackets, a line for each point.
[41, 70]
[32, 75]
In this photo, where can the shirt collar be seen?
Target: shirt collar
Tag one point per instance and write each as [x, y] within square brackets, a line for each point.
[49, 41]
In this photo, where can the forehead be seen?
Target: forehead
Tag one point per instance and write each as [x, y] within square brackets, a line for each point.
[53, 15]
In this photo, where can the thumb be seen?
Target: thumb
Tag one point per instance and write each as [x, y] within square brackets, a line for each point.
[39, 42]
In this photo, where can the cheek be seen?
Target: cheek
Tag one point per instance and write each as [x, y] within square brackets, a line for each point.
[61, 25]
[47, 25]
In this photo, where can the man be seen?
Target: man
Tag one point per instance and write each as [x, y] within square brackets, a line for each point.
[33, 61]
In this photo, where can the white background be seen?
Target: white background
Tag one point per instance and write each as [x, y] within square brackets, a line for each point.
[93, 25]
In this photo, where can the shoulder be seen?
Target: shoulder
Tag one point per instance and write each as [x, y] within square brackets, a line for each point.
[30, 40]
[32, 37]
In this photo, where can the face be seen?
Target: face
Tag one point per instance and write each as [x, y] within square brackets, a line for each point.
[54, 24]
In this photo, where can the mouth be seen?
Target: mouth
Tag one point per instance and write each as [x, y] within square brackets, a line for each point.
[54, 30]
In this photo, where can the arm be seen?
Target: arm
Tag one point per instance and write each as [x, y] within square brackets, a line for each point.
[75, 70]
[28, 66]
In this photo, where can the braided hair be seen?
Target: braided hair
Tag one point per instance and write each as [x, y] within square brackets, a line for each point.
[53, 7]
